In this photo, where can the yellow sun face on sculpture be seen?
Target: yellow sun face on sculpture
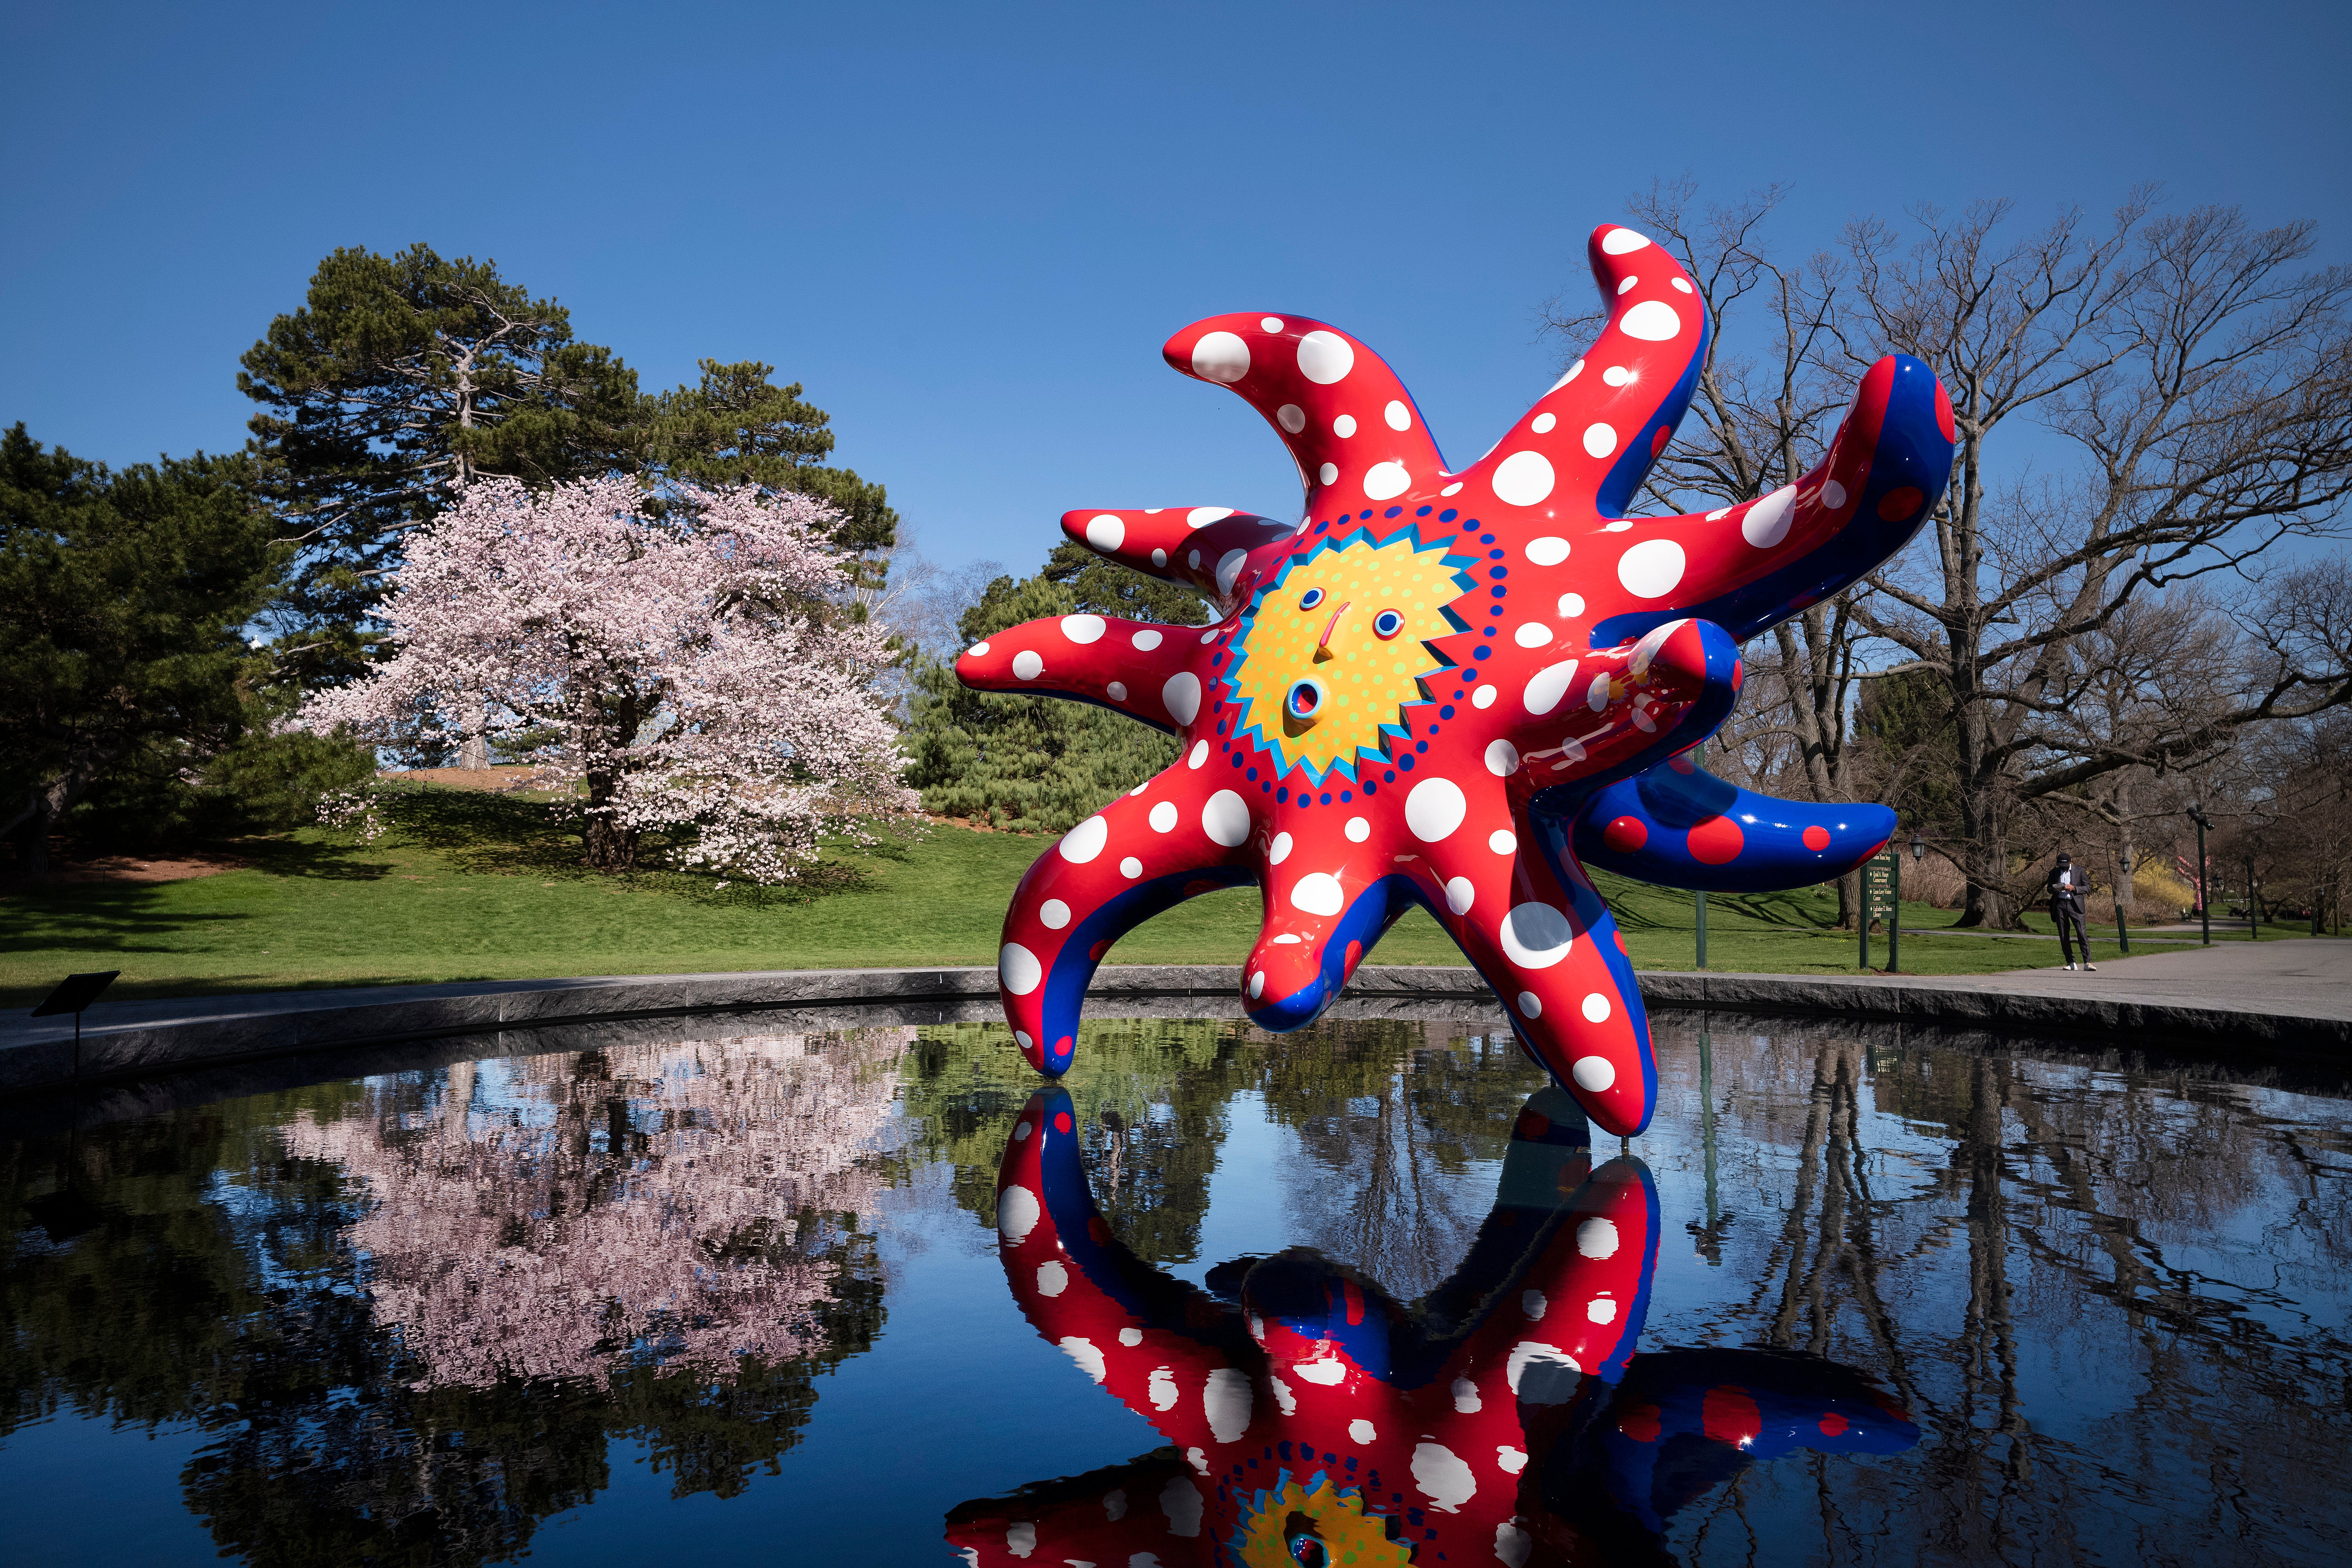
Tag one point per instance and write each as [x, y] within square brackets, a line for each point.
[1331, 654]
[1330, 1517]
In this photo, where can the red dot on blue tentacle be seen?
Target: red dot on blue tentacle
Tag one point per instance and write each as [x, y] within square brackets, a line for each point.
[1061, 1122]
[1817, 839]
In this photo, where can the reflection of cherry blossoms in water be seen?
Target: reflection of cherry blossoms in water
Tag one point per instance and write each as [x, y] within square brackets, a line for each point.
[685, 1203]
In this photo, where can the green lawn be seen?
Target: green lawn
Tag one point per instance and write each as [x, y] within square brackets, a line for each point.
[475, 887]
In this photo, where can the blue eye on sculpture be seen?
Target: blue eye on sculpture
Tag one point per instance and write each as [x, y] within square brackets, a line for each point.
[1306, 699]
[1387, 624]
[1313, 597]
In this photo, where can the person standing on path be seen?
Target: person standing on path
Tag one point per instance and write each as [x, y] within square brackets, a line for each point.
[2065, 890]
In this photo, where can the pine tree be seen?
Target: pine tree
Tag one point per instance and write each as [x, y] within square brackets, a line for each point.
[122, 598]
[401, 379]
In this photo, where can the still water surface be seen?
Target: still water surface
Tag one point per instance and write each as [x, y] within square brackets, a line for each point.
[1367, 1294]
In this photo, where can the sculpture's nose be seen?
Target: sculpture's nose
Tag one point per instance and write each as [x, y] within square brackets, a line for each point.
[1323, 643]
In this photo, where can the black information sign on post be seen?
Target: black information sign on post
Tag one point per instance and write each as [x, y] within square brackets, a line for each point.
[1882, 898]
[73, 994]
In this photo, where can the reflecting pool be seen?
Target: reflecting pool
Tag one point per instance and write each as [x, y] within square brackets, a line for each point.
[865, 1293]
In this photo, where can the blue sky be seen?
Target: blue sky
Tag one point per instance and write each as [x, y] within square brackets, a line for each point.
[967, 230]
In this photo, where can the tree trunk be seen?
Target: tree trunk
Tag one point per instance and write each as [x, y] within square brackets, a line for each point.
[47, 804]
[474, 746]
[611, 846]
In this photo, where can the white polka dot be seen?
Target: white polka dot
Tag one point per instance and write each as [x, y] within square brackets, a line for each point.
[1288, 939]
[1023, 1035]
[1361, 1431]
[1397, 416]
[1182, 694]
[1502, 759]
[1319, 893]
[1620, 526]
[1511, 1461]
[1163, 816]
[1503, 841]
[1271, 323]
[1453, 488]
[1054, 913]
[1117, 690]
[1833, 495]
[1200, 755]
[1279, 850]
[1359, 830]
[1597, 1237]
[1211, 634]
[1530, 1005]
[1601, 1310]
[1084, 628]
[1653, 322]
[977, 650]
[1146, 640]
[1459, 894]
[1344, 426]
[1535, 634]
[1596, 1008]
[1625, 285]
[1084, 842]
[1017, 969]
[1130, 1338]
[1483, 696]
[1465, 1396]
[1767, 520]
[1027, 665]
[1622, 241]
[1329, 473]
[1229, 568]
[1597, 698]
[1681, 285]
[1442, 1477]
[1719, 514]
[1651, 569]
[1571, 605]
[1534, 1305]
[1193, 560]
[1434, 809]
[1523, 478]
[1548, 551]
[1592, 1074]
[1548, 686]
[1106, 532]
[1221, 357]
[1325, 357]
[1616, 375]
[1130, 868]
[1536, 936]
[1291, 417]
[1258, 984]
[1542, 423]
[1571, 373]
[1385, 481]
[1017, 1213]
[1022, 1131]
[1202, 516]
[1599, 440]
[1226, 819]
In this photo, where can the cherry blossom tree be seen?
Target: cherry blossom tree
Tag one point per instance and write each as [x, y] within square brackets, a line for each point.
[570, 1215]
[694, 655]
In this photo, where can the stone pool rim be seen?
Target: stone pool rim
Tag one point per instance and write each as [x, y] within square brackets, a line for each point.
[143, 1038]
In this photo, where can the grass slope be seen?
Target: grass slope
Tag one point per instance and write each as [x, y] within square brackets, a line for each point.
[476, 887]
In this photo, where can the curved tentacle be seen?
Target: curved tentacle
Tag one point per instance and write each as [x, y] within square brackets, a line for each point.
[1203, 547]
[1132, 667]
[1129, 1324]
[1751, 565]
[1147, 1511]
[1350, 425]
[1520, 907]
[1172, 839]
[1678, 825]
[1588, 443]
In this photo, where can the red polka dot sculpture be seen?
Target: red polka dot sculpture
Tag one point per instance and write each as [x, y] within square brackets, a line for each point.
[1457, 689]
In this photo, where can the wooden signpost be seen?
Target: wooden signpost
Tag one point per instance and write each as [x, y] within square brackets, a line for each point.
[1882, 898]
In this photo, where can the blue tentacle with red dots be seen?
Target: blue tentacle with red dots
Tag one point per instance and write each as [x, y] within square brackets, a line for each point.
[1678, 825]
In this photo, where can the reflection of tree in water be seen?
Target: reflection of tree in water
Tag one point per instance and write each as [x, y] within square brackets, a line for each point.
[2048, 1261]
[683, 1206]
[199, 1267]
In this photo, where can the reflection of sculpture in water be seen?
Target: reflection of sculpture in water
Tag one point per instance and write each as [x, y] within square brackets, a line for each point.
[1506, 1419]
[680, 1203]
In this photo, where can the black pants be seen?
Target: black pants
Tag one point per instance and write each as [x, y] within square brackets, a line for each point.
[2069, 916]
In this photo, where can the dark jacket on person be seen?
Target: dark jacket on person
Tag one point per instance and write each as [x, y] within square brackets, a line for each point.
[2065, 886]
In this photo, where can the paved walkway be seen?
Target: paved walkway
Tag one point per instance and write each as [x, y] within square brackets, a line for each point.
[2308, 976]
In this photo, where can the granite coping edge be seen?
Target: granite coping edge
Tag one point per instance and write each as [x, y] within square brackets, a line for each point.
[279, 1023]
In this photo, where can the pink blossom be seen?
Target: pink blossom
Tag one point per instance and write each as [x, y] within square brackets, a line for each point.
[699, 660]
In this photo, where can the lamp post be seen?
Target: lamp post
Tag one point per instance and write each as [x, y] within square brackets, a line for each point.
[2204, 895]
[2122, 874]
[2254, 905]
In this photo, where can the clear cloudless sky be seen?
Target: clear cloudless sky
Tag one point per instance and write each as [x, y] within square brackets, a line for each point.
[968, 229]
